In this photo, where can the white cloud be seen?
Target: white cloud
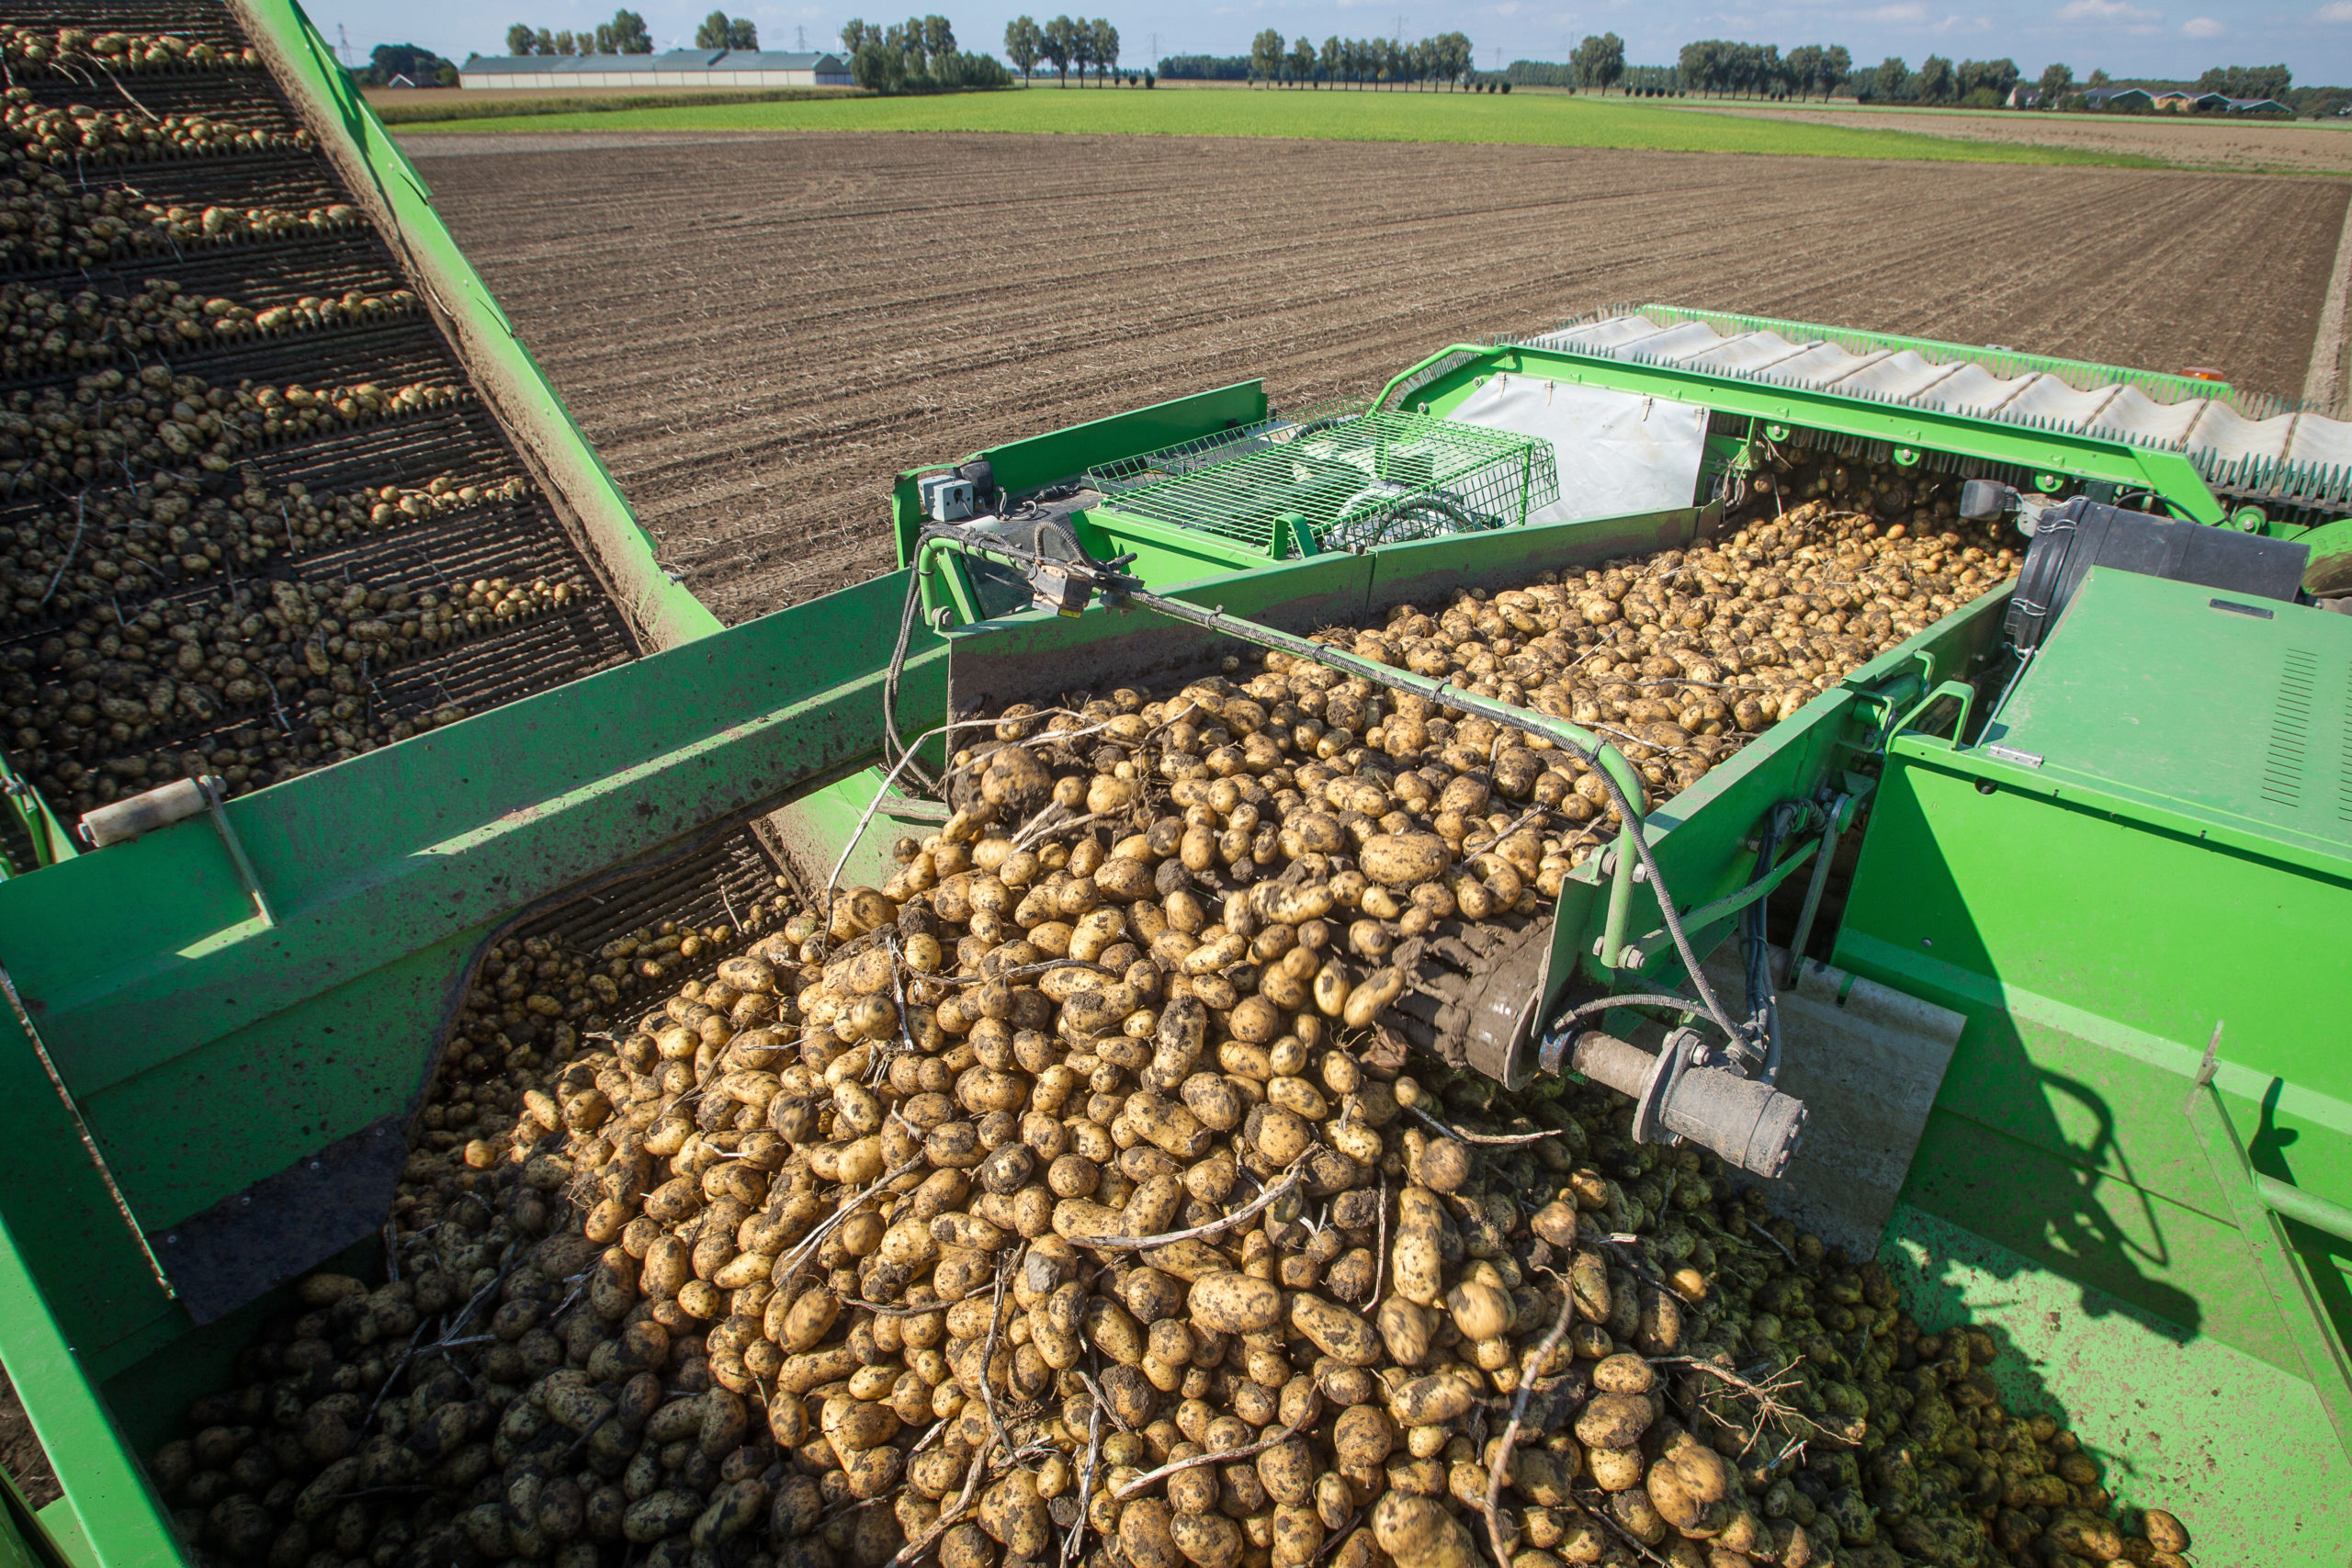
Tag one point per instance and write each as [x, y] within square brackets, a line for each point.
[1915, 12]
[2105, 11]
[2334, 11]
[2203, 27]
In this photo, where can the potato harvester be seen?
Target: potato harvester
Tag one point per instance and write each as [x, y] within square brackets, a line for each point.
[2057, 881]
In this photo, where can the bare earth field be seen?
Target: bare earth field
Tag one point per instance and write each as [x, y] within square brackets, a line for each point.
[758, 332]
[2300, 146]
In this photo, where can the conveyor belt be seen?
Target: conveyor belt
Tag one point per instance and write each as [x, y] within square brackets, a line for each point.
[519, 538]
[2247, 446]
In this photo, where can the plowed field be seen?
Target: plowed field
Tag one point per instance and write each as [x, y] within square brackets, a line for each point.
[758, 332]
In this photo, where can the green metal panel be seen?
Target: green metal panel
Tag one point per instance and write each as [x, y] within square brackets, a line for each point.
[1067, 453]
[2094, 917]
[119, 1522]
[2268, 687]
[387, 188]
[2240, 1451]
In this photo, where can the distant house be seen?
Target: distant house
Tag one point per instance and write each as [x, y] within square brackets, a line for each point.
[2022, 97]
[2257, 105]
[400, 81]
[2119, 98]
[2190, 103]
[674, 68]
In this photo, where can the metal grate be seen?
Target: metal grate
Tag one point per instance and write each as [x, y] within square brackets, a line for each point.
[1343, 478]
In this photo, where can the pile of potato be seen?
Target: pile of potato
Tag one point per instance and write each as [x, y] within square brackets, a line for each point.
[52, 217]
[106, 544]
[73, 51]
[46, 330]
[93, 709]
[111, 421]
[62, 136]
[1068, 1196]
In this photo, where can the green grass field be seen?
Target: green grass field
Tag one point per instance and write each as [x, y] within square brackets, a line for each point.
[1530, 119]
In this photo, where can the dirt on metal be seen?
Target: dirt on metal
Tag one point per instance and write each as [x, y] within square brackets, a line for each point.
[757, 331]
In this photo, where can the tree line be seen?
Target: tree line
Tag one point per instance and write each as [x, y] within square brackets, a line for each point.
[1360, 62]
[918, 55]
[1063, 43]
[625, 34]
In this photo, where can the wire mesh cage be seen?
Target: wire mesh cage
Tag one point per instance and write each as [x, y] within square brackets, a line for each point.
[1341, 476]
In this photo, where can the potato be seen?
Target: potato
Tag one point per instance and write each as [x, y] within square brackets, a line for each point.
[1415, 1263]
[1235, 1303]
[1146, 1534]
[1338, 1334]
[1403, 860]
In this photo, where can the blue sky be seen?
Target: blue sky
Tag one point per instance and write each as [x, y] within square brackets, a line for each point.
[2127, 37]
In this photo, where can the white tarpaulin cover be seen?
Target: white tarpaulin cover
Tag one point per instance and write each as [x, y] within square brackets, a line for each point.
[1619, 454]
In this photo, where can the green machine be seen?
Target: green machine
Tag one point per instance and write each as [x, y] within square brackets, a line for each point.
[2112, 874]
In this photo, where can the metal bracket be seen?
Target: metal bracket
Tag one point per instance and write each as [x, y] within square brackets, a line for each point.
[2261, 1205]
[1641, 949]
[210, 787]
[1942, 688]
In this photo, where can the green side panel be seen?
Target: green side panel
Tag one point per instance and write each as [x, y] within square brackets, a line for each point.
[2094, 919]
[2239, 1450]
[107, 1511]
[1064, 453]
[395, 197]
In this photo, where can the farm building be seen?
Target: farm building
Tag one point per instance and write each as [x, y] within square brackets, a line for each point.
[2119, 98]
[673, 68]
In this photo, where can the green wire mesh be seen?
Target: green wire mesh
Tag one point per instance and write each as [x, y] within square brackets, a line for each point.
[1347, 477]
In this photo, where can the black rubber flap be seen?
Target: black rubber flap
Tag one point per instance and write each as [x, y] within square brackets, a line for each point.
[251, 1241]
[2072, 538]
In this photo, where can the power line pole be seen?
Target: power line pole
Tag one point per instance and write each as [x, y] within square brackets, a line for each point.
[801, 34]
[343, 45]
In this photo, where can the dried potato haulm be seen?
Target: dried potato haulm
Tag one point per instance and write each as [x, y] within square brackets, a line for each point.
[93, 709]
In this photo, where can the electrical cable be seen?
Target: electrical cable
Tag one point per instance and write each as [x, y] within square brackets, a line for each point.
[895, 752]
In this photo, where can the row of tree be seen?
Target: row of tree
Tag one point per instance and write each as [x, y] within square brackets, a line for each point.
[1724, 67]
[1431, 61]
[625, 34]
[918, 55]
[1063, 43]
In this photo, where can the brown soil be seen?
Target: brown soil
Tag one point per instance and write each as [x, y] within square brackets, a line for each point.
[2298, 146]
[758, 332]
[20, 1452]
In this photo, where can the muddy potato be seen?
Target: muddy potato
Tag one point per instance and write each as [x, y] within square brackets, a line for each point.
[1235, 1303]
